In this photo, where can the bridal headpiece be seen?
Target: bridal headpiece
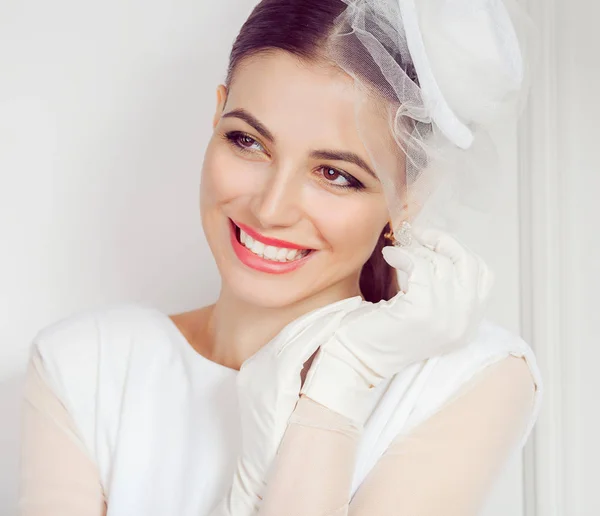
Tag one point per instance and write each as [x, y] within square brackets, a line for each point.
[430, 77]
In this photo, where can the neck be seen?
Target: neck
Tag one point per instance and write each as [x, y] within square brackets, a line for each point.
[236, 328]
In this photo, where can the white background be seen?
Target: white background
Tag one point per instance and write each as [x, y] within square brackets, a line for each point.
[105, 111]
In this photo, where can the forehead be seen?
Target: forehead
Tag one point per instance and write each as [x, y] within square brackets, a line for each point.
[295, 96]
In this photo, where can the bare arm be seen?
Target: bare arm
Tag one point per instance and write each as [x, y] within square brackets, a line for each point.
[446, 465]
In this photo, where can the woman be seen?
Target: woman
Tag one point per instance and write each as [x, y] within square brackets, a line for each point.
[391, 401]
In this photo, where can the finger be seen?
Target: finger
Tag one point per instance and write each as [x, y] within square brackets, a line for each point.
[441, 266]
[460, 255]
[481, 279]
[398, 259]
[442, 242]
[487, 278]
[299, 349]
[403, 260]
[403, 280]
[298, 326]
[418, 276]
[294, 328]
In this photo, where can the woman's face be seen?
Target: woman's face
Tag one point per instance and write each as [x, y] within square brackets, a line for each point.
[286, 173]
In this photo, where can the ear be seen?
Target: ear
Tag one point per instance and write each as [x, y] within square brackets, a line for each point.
[221, 99]
[410, 209]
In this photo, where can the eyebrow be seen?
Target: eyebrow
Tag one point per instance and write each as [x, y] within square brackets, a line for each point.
[332, 155]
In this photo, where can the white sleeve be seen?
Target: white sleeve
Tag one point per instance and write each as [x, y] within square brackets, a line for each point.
[57, 476]
[448, 464]
[445, 465]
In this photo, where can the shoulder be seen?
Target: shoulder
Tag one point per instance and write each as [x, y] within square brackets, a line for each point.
[490, 379]
[512, 373]
[490, 344]
[495, 354]
[73, 351]
[497, 407]
[84, 331]
[472, 436]
[506, 384]
[514, 360]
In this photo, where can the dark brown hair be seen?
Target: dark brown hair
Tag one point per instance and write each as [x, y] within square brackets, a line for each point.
[301, 27]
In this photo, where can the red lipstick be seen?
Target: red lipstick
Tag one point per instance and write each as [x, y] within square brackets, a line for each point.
[258, 263]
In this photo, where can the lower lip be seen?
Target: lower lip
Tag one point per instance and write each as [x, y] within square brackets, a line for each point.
[257, 263]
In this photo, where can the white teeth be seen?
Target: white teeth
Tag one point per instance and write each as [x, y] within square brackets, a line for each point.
[282, 255]
[270, 252]
[258, 247]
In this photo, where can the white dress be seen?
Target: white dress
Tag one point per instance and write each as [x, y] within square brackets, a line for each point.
[160, 423]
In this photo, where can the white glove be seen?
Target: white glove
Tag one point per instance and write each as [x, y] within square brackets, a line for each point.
[444, 303]
[268, 389]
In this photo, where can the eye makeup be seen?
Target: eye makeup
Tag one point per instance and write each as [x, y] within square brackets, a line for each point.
[243, 142]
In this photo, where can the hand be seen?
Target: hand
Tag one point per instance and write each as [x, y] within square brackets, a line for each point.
[443, 303]
[268, 389]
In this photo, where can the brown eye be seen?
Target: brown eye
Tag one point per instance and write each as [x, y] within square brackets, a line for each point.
[244, 142]
[334, 176]
[339, 179]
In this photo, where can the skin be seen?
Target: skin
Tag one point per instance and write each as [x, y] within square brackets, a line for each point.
[278, 189]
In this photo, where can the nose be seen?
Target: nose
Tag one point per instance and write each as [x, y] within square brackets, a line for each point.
[278, 203]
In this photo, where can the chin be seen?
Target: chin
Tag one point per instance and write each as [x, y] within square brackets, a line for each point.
[265, 297]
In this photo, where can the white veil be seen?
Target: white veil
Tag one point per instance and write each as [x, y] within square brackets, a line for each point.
[434, 75]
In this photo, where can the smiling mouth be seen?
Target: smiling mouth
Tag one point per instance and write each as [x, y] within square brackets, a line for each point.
[269, 252]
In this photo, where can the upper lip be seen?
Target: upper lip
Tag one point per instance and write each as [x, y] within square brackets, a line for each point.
[267, 240]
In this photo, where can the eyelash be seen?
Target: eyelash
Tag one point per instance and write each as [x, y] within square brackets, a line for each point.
[233, 138]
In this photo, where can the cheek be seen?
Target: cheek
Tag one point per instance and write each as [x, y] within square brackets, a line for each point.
[351, 224]
[225, 177]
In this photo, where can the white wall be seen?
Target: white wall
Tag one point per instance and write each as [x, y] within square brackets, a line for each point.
[105, 110]
[560, 212]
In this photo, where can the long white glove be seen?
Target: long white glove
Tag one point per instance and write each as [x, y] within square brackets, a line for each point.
[444, 302]
[268, 389]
